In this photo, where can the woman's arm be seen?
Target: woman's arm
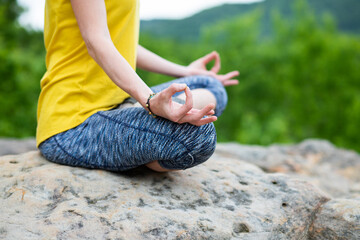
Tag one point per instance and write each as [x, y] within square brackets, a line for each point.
[92, 21]
[149, 61]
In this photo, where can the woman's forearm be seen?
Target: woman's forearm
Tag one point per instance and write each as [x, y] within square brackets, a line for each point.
[103, 51]
[151, 62]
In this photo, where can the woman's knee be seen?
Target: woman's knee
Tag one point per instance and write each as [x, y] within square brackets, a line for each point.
[205, 144]
[199, 147]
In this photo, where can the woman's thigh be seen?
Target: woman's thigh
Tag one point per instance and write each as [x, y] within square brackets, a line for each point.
[205, 82]
[118, 140]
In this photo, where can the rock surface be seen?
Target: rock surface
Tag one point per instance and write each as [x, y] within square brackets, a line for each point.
[335, 171]
[224, 198]
[337, 219]
[15, 146]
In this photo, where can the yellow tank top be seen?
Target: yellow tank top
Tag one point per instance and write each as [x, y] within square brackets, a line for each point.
[74, 86]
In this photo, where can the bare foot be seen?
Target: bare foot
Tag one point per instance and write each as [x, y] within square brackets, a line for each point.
[156, 167]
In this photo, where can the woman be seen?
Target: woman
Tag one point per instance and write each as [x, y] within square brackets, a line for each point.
[92, 50]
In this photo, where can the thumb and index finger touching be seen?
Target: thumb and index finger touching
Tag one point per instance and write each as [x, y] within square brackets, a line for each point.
[174, 88]
[226, 79]
[186, 113]
[213, 56]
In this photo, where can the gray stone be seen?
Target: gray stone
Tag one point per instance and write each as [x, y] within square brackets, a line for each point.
[224, 198]
[335, 171]
[15, 146]
[337, 219]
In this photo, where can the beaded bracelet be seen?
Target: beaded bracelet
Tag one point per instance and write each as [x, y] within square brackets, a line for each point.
[148, 104]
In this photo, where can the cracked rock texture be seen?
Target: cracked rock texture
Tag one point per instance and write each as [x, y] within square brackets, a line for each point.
[224, 198]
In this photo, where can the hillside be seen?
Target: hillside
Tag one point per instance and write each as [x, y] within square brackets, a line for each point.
[345, 13]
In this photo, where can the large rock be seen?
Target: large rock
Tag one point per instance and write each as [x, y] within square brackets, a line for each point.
[16, 146]
[335, 171]
[337, 219]
[225, 198]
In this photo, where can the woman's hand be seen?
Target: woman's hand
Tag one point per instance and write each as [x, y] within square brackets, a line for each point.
[198, 67]
[162, 105]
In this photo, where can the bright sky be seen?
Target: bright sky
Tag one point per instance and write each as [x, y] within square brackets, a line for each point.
[149, 9]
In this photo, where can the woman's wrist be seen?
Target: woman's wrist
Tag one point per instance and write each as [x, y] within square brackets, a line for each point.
[148, 105]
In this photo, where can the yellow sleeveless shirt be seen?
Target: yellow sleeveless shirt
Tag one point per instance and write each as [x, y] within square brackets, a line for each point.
[74, 86]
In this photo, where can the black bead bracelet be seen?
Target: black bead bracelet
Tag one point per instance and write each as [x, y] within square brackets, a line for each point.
[148, 104]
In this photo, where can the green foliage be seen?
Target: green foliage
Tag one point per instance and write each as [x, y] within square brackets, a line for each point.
[301, 82]
[22, 57]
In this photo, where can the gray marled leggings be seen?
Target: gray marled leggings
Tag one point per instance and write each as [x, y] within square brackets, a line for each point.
[121, 139]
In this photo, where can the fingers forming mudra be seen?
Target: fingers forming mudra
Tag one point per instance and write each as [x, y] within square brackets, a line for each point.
[198, 67]
[162, 105]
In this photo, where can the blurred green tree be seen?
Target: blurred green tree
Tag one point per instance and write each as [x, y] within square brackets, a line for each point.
[22, 58]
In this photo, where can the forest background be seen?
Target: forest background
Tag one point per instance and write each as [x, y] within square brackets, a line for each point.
[299, 64]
